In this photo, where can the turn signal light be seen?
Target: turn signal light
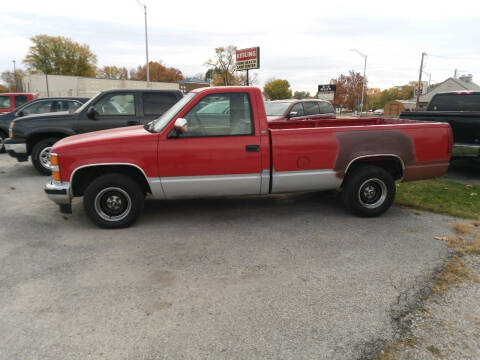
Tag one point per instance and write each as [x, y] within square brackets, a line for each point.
[54, 159]
[56, 176]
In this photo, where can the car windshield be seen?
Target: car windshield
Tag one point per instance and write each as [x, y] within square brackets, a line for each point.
[4, 102]
[84, 106]
[276, 108]
[158, 124]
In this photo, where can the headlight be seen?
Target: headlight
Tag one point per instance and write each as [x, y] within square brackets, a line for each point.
[10, 129]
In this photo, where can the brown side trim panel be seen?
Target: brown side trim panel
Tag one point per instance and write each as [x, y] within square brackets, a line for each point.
[425, 170]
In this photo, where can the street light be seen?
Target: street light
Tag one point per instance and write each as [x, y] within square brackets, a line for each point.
[146, 41]
[364, 75]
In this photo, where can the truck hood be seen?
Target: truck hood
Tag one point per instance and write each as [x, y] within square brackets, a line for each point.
[47, 116]
[110, 136]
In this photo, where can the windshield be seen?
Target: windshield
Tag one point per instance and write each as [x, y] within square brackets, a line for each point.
[4, 102]
[158, 124]
[276, 108]
[84, 106]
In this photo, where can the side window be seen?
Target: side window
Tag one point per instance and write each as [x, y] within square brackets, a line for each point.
[311, 108]
[20, 100]
[71, 106]
[298, 108]
[157, 103]
[326, 108]
[226, 114]
[40, 107]
[4, 102]
[116, 104]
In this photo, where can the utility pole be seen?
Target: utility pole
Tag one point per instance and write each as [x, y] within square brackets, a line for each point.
[455, 74]
[14, 75]
[419, 82]
[146, 42]
[364, 76]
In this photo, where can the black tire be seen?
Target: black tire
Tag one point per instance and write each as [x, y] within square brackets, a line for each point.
[113, 201]
[41, 154]
[2, 142]
[368, 191]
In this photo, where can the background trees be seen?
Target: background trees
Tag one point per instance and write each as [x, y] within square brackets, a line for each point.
[378, 99]
[158, 72]
[60, 56]
[13, 81]
[349, 90]
[301, 95]
[222, 67]
[278, 89]
[113, 72]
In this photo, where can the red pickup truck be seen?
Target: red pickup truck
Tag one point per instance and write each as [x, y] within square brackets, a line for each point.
[195, 150]
[10, 101]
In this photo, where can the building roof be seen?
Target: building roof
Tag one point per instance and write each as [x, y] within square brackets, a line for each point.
[193, 80]
[451, 84]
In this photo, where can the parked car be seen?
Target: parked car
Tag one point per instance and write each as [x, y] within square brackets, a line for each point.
[38, 106]
[34, 135]
[379, 112]
[461, 109]
[11, 101]
[189, 153]
[307, 109]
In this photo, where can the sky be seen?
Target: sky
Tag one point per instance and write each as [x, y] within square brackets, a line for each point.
[306, 42]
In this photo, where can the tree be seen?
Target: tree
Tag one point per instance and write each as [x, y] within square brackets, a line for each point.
[349, 90]
[158, 72]
[301, 95]
[13, 81]
[59, 55]
[278, 89]
[378, 99]
[3, 89]
[113, 72]
[223, 67]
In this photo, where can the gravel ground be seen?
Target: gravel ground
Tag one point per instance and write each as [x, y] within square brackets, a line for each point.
[290, 276]
[464, 171]
[449, 325]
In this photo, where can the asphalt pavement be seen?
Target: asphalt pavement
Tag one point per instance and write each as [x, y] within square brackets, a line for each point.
[275, 277]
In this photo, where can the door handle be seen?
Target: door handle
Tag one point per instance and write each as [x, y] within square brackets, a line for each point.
[252, 148]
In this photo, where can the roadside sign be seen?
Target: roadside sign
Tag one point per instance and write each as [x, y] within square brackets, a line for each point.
[327, 92]
[248, 58]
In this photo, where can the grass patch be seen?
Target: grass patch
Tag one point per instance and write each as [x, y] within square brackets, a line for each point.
[434, 350]
[441, 196]
[453, 273]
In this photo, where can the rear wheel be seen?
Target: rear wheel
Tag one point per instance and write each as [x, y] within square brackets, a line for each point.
[368, 191]
[41, 155]
[113, 201]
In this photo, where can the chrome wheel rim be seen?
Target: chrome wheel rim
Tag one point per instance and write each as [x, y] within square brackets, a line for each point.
[372, 193]
[44, 157]
[113, 204]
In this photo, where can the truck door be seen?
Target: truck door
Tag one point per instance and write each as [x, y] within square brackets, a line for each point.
[220, 153]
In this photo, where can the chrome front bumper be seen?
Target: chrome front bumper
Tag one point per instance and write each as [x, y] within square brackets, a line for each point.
[20, 148]
[465, 150]
[59, 192]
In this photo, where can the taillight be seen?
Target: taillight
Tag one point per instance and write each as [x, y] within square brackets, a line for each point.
[450, 140]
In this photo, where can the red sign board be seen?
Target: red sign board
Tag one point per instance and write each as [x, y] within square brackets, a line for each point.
[248, 58]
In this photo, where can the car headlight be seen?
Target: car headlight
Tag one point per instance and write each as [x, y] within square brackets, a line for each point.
[10, 129]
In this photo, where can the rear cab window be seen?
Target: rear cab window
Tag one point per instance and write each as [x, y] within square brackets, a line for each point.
[455, 102]
[156, 103]
[326, 108]
[20, 100]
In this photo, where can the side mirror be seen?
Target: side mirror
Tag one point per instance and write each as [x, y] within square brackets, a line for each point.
[291, 114]
[92, 113]
[181, 126]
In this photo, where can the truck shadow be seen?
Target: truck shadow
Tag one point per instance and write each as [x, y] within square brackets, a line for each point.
[464, 171]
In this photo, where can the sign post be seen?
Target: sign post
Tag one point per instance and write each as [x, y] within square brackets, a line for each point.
[247, 59]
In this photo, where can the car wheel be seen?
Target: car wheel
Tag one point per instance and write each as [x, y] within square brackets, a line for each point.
[113, 201]
[2, 142]
[368, 191]
[41, 155]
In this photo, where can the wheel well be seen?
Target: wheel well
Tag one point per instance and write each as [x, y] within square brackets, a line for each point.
[84, 176]
[389, 163]
[34, 139]
[5, 135]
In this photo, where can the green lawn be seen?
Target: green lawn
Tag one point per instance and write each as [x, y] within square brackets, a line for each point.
[441, 196]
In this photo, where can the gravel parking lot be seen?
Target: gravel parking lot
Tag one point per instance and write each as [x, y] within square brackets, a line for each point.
[290, 276]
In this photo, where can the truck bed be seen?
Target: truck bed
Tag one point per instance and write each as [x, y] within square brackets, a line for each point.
[292, 124]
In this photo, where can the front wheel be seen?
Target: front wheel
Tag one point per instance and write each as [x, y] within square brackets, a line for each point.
[113, 201]
[368, 191]
[41, 155]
